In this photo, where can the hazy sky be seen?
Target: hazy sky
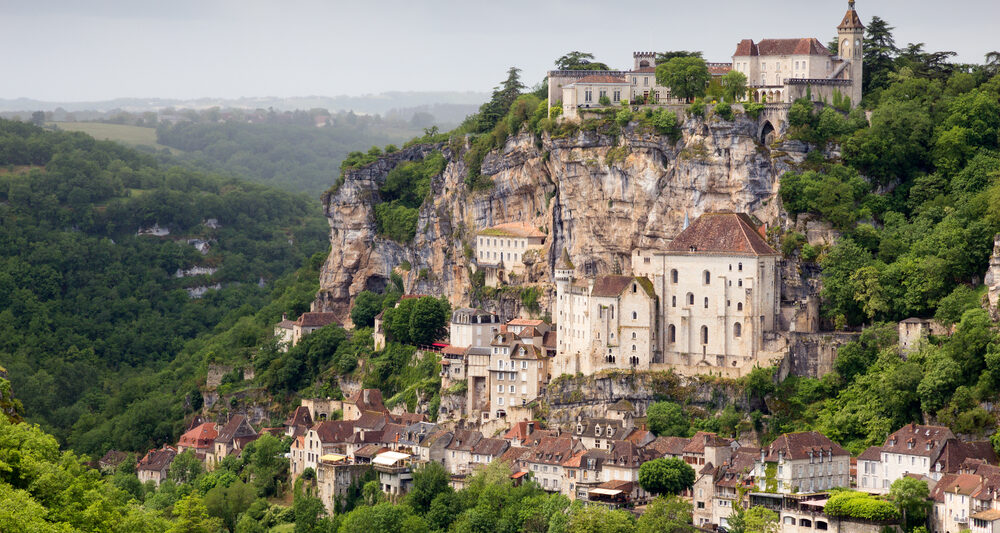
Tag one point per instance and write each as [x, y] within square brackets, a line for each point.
[77, 50]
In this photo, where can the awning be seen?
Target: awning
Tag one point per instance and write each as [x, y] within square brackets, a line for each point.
[606, 492]
[518, 475]
[332, 457]
[815, 503]
[389, 458]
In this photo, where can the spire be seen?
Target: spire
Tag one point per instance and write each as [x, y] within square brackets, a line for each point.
[850, 5]
[851, 19]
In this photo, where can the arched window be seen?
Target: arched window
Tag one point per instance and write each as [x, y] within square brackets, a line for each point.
[673, 301]
[633, 287]
[739, 267]
[635, 315]
[671, 333]
[633, 347]
[704, 334]
[737, 330]
[690, 298]
[706, 302]
[673, 276]
[634, 360]
[739, 283]
[633, 334]
[739, 306]
[708, 277]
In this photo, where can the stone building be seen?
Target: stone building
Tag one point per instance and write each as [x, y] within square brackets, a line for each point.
[782, 70]
[719, 284]
[517, 372]
[604, 322]
[310, 322]
[155, 465]
[802, 462]
[501, 250]
[472, 327]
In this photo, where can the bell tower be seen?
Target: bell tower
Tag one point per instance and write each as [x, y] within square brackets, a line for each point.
[851, 36]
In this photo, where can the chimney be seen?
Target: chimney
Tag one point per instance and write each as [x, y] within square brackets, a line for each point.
[284, 316]
[367, 393]
[530, 426]
[763, 455]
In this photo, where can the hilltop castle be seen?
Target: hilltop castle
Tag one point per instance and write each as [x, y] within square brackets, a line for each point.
[777, 71]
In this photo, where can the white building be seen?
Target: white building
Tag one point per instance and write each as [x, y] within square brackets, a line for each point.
[802, 462]
[501, 250]
[472, 327]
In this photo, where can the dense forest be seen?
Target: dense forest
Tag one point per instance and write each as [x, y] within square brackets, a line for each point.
[95, 323]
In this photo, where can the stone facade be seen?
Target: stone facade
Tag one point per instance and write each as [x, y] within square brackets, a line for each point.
[472, 327]
[501, 250]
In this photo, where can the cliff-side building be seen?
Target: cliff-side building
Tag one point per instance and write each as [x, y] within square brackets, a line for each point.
[500, 250]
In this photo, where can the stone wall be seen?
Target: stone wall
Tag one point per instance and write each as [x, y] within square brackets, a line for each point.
[812, 354]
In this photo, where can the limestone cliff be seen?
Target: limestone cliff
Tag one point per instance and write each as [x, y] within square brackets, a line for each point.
[597, 196]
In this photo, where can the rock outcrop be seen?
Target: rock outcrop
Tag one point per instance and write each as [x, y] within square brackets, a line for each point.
[597, 196]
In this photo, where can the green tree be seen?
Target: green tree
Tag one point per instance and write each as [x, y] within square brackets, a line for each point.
[267, 465]
[669, 514]
[308, 511]
[576, 60]
[186, 467]
[366, 306]
[879, 54]
[597, 519]
[687, 77]
[910, 496]
[666, 476]
[192, 517]
[429, 481]
[760, 519]
[228, 503]
[503, 97]
[734, 85]
[428, 319]
[667, 419]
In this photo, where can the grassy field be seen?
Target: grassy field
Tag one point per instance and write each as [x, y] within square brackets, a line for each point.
[130, 135]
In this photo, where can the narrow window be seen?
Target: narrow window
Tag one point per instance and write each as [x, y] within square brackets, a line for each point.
[673, 276]
[739, 306]
[706, 303]
[673, 301]
[671, 333]
[634, 315]
[690, 298]
[740, 267]
[708, 278]
[704, 334]
[737, 330]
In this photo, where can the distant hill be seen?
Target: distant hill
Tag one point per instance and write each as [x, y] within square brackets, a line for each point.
[369, 104]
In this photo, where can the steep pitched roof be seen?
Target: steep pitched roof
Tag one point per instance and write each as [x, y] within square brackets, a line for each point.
[316, 320]
[368, 400]
[664, 446]
[721, 233]
[520, 430]
[799, 445]
[157, 460]
[490, 447]
[598, 428]
[513, 454]
[552, 450]
[787, 47]
[408, 418]
[371, 420]
[746, 47]
[300, 417]
[702, 439]
[464, 440]
[235, 428]
[195, 438]
[964, 484]
[956, 452]
[914, 439]
[611, 286]
[873, 453]
[549, 339]
[851, 20]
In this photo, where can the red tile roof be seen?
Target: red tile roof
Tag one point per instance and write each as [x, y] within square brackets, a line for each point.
[300, 417]
[673, 446]
[368, 400]
[157, 460]
[798, 446]
[722, 233]
[781, 47]
[913, 439]
[333, 431]
[873, 453]
[200, 437]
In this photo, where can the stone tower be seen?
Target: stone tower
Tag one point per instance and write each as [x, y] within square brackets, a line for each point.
[851, 34]
[643, 60]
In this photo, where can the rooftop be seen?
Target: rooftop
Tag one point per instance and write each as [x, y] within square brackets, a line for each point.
[513, 229]
[722, 233]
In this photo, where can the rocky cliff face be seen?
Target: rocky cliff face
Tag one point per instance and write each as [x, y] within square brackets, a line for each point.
[597, 196]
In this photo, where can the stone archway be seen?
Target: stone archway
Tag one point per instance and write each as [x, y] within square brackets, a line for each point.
[766, 135]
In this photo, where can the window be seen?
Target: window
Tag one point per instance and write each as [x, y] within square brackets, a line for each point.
[524, 376]
[708, 278]
[511, 389]
[706, 302]
[739, 283]
[737, 330]
[739, 306]
[634, 80]
[690, 298]
[635, 315]
[633, 334]
[612, 311]
[645, 81]
[633, 347]
[671, 333]
[499, 401]
[618, 96]
[673, 276]
[704, 334]
[588, 96]
[603, 93]
[499, 388]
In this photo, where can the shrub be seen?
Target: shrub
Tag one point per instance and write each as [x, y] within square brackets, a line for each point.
[753, 109]
[724, 111]
[665, 123]
[861, 506]
[604, 100]
[623, 117]
[697, 108]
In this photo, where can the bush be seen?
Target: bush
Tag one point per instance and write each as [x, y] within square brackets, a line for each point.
[861, 506]
[623, 117]
[724, 111]
[604, 100]
[697, 108]
[753, 109]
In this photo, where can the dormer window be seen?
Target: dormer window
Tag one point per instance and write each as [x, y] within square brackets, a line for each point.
[579, 428]
[597, 430]
[611, 431]
[909, 445]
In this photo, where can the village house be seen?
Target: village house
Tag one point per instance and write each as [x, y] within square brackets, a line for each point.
[299, 423]
[802, 462]
[954, 498]
[472, 327]
[334, 476]
[310, 322]
[434, 447]
[110, 461]
[545, 460]
[322, 408]
[395, 473]
[233, 436]
[501, 250]
[582, 472]
[622, 464]
[727, 480]
[327, 437]
[155, 465]
[668, 447]
[921, 450]
[284, 332]
[458, 458]
[704, 448]
[599, 433]
[488, 450]
[200, 439]
[517, 372]
[361, 401]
